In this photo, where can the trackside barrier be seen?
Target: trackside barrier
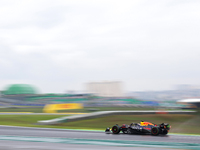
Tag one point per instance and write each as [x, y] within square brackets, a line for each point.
[106, 113]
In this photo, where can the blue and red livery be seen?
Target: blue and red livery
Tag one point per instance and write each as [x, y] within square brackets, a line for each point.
[140, 128]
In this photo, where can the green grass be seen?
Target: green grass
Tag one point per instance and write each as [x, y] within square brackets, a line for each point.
[24, 120]
[180, 123]
[84, 110]
[22, 109]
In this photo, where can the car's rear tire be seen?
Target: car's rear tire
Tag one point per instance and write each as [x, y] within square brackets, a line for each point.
[116, 129]
[154, 131]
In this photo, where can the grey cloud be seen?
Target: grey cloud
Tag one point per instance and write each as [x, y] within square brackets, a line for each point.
[68, 44]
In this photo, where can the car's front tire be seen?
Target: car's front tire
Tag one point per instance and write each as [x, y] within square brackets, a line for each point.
[165, 132]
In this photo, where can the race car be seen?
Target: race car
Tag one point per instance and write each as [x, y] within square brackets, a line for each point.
[140, 128]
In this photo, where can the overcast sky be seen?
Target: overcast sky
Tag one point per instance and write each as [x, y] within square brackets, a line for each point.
[61, 45]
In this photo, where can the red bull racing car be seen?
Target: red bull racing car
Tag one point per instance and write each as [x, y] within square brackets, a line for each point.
[140, 128]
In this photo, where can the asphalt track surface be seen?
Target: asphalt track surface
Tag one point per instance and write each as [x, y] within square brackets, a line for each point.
[21, 138]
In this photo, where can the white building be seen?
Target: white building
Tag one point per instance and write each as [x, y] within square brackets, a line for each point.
[194, 102]
[105, 89]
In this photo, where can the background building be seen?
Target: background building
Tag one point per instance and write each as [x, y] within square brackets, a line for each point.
[105, 89]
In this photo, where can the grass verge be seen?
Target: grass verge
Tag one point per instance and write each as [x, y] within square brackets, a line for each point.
[84, 110]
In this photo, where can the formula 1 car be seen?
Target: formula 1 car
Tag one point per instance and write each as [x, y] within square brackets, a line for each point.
[140, 128]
